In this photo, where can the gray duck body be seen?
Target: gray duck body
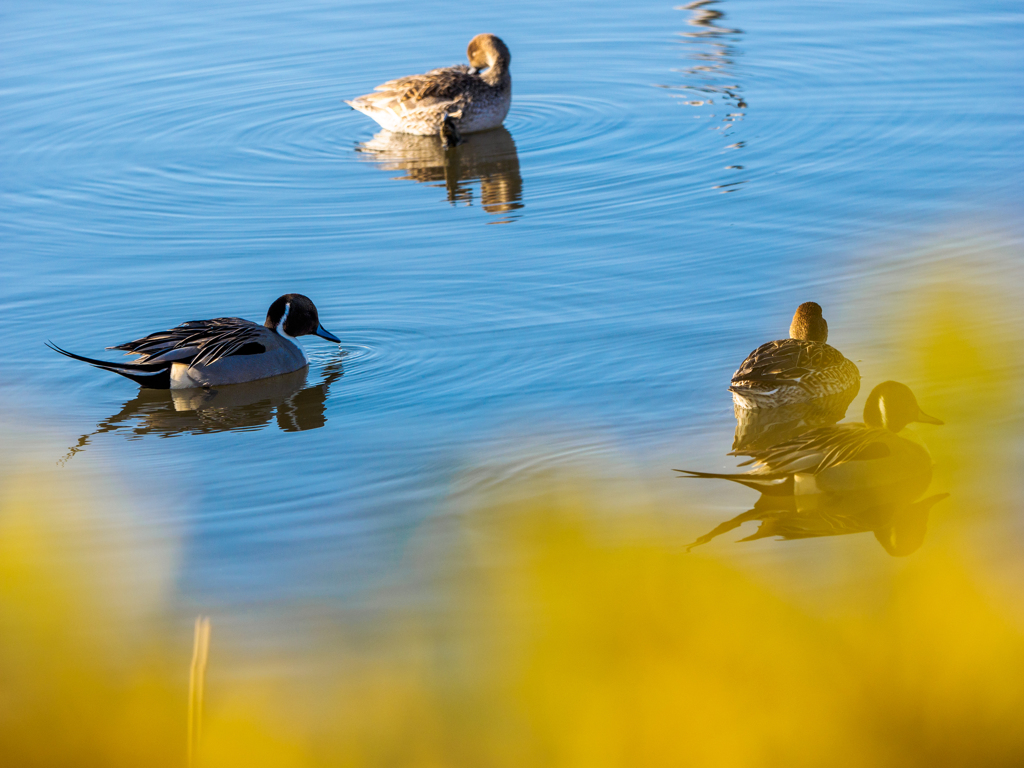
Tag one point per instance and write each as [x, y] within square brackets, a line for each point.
[221, 351]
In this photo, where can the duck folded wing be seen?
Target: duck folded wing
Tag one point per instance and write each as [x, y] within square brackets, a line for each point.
[447, 86]
[818, 449]
[441, 83]
[787, 360]
[199, 342]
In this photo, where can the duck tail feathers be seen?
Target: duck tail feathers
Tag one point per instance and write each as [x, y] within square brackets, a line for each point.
[769, 485]
[151, 375]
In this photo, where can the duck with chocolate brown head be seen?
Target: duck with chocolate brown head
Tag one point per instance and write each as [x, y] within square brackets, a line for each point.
[795, 370]
[295, 315]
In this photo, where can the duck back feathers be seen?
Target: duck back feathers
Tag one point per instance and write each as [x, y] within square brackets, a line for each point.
[790, 371]
[800, 368]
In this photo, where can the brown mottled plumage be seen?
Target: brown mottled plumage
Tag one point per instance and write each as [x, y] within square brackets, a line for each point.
[442, 83]
[796, 369]
[469, 99]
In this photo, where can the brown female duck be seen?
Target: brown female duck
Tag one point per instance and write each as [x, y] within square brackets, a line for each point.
[449, 101]
[794, 370]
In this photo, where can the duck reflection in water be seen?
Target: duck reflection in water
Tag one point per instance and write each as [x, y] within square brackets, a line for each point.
[894, 513]
[759, 428]
[489, 156]
[712, 81]
[847, 478]
[284, 400]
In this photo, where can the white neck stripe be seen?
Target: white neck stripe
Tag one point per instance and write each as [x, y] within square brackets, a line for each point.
[280, 325]
[281, 332]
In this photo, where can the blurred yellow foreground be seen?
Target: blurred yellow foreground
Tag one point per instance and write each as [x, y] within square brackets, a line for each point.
[571, 628]
[582, 643]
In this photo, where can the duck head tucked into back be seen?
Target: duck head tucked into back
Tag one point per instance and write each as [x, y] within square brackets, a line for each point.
[489, 52]
[449, 101]
[892, 406]
[808, 324]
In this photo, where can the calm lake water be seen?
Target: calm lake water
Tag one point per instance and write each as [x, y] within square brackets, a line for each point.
[577, 287]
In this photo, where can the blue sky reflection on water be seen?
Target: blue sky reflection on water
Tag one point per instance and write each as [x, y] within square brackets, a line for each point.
[673, 181]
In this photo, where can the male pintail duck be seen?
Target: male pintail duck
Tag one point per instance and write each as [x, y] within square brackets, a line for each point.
[225, 350]
[796, 369]
[843, 457]
[449, 101]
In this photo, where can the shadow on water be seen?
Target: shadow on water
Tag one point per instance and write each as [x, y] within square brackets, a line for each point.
[284, 400]
[894, 514]
[489, 157]
[710, 83]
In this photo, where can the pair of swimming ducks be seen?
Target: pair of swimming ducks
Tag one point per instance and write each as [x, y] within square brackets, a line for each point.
[833, 459]
[228, 350]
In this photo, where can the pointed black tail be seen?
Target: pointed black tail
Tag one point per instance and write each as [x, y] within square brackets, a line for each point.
[152, 375]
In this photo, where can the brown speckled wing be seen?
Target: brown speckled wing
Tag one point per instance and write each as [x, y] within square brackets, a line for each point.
[441, 84]
[787, 360]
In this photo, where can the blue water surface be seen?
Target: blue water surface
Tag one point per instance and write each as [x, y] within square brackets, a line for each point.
[673, 181]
